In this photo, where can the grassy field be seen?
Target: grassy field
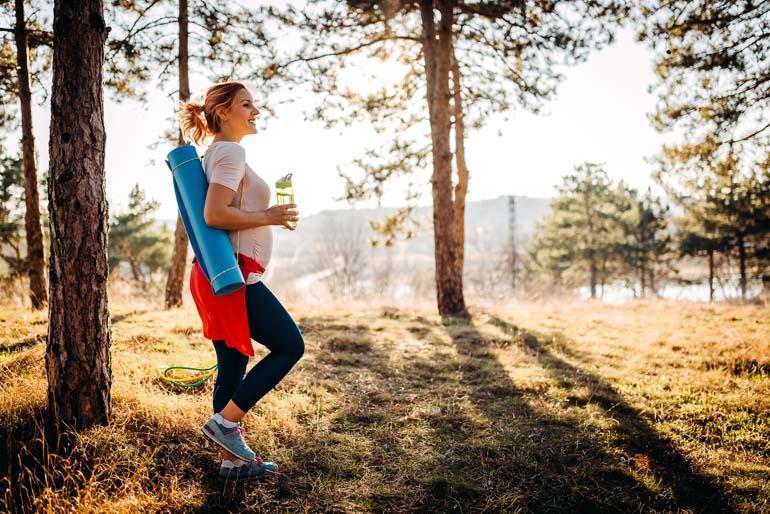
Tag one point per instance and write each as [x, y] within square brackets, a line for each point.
[553, 407]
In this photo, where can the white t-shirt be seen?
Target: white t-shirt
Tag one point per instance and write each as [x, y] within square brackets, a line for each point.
[225, 163]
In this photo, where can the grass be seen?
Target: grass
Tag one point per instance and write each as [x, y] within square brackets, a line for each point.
[552, 407]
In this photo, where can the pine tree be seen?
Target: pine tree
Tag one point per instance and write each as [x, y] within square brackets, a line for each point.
[471, 60]
[580, 235]
[31, 60]
[645, 249]
[11, 222]
[136, 240]
[713, 87]
[78, 360]
[712, 66]
[726, 209]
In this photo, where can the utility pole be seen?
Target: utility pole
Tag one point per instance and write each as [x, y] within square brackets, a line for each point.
[512, 238]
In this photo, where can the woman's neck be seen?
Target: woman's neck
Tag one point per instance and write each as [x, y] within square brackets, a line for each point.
[226, 135]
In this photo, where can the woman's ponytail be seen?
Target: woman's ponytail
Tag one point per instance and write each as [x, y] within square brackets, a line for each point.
[193, 122]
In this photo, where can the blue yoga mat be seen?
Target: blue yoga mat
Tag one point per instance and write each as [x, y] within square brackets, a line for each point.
[211, 245]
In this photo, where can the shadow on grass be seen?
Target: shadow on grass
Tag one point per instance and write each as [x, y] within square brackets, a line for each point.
[576, 470]
[24, 344]
[23, 447]
[439, 427]
[119, 318]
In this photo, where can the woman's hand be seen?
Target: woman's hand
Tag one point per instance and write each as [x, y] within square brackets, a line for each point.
[282, 215]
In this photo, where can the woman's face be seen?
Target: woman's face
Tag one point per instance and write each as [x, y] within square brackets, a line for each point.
[241, 117]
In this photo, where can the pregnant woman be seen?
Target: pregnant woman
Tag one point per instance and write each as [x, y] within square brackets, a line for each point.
[238, 202]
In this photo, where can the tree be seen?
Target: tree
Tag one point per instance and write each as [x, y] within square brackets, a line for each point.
[712, 65]
[695, 237]
[739, 199]
[135, 240]
[226, 40]
[645, 246]
[581, 232]
[30, 44]
[78, 358]
[714, 81]
[726, 207]
[341, 248]
[497, 54]
[11, 206]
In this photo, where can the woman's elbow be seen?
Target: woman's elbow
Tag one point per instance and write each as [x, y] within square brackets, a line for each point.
[211, 217]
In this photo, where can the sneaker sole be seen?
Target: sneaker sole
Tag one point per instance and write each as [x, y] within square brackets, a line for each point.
[236, 478]
[214, 440]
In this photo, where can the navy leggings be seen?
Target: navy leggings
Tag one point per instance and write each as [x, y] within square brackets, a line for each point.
[272, 326]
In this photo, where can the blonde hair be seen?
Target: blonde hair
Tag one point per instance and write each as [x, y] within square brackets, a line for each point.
[219, 97]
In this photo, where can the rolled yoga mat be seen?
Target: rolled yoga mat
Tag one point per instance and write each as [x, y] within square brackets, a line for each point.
[211, 245]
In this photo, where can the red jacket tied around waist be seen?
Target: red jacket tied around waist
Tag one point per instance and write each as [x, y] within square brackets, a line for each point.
[224, 317]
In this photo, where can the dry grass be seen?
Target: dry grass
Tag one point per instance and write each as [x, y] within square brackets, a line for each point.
[556, 407]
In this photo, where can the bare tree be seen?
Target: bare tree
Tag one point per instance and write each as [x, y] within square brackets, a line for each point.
[383, 271]
[342, 249]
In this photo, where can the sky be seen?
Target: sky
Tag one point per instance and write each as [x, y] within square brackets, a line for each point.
[600, 114]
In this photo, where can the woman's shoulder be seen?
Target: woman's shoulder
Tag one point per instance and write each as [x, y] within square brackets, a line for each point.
[226, 154]
[226, 147]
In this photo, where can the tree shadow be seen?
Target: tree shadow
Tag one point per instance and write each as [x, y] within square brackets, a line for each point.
[119, 318]
[21, 454]
[440, 427]
[572, 479]
[23, 344]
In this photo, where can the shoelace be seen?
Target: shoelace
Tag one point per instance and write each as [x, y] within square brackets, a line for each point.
[257, 460]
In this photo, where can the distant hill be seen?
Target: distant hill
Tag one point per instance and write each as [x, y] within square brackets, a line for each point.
[491, 215]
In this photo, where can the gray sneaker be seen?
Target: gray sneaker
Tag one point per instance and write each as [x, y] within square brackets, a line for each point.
[254, 469]
[231, 439]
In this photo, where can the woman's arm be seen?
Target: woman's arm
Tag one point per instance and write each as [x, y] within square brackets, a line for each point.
[218, 213]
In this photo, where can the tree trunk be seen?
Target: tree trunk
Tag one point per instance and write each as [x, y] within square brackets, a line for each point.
[742, 264]
[593, 276]
[711, 274]
[461, 189]
[175, 281]
[437, 53]
[651, 281]
[35, 256]
[603, 275]
[78, 349]
[643, 277]
[135, 271]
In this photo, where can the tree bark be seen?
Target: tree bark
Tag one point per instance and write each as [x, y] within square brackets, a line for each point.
[32, 226]
[461, 188]
[437, 53]
[592, 260]
[77, 357]
[175, 281]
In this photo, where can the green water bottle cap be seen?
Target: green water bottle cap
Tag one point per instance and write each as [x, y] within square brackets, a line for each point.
[284, 181]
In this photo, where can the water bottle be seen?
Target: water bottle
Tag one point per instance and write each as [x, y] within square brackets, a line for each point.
[284, 193]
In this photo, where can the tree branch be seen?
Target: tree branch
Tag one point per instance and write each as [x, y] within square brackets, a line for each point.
[749, 136]
[348, 50]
